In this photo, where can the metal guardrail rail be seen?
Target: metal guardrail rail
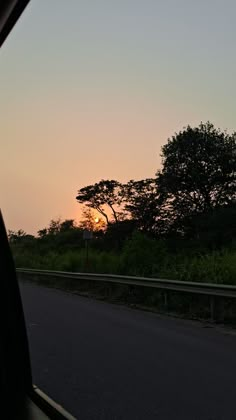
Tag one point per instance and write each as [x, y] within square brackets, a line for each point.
[210, 289]
[215, 292]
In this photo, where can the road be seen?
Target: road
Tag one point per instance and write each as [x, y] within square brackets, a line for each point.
[108, 362]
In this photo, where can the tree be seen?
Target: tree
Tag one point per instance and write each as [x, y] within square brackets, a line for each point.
[60, 235]
[54, 227]
[198, 175]
[42, 233]
[67, 224]
[104, 197]
[90, 222]
[16, 236]
[140, 199]
[214, 230]
[21, 240]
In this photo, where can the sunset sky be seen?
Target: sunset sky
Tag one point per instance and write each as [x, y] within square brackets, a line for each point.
[92, 89]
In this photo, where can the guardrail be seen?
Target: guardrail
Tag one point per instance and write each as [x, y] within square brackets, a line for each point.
[214, 291]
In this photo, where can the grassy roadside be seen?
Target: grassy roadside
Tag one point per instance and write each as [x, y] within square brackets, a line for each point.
[140, 256]
[215, 267]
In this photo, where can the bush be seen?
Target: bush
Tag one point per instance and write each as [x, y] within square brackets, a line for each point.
[142, 256]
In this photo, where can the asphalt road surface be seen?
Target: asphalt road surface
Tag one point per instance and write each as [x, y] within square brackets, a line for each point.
[104, 361]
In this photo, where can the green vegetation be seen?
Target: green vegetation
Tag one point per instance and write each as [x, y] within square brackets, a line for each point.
[140, 256]
[179, 225]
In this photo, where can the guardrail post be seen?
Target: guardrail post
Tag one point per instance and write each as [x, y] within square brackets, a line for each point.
[166, 300]
[217, 309]
[212, 308]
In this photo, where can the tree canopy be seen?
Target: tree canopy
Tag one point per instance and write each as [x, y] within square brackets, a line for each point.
[198, 175]
[103, 196]
[197, 178]
[140, 201]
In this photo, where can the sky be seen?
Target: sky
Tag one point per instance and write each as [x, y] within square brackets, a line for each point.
[91, 90]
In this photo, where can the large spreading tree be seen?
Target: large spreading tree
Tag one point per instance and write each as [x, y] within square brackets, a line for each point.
[104, 197]
[198, 175]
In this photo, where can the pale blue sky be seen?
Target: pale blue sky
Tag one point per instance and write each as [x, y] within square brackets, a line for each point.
[91, 89]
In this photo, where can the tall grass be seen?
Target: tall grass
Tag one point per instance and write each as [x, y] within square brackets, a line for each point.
[140, 256]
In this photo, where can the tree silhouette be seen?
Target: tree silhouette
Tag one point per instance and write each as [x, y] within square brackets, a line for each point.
[90, 222]
[104, 197]
[140, 199]
[199, 166]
